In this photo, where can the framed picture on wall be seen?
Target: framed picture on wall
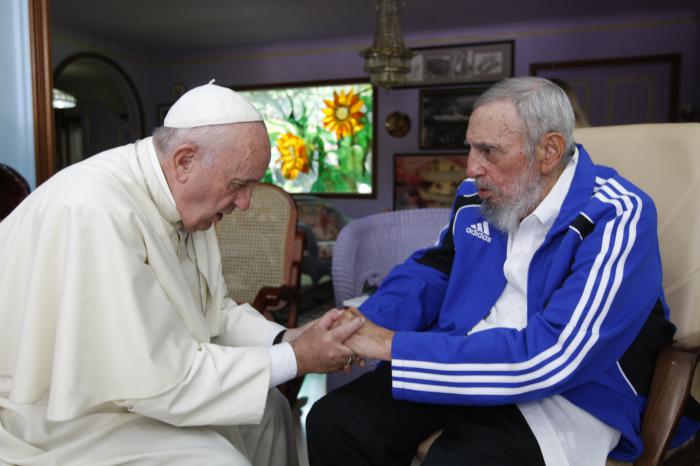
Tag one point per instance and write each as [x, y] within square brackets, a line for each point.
[461, 64]
[322, 137]
[621, 91]
[427, 180]
[444, 116]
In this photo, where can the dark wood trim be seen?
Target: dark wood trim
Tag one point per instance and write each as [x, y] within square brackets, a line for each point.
[672, 59]
[326, 82]
[42, 88]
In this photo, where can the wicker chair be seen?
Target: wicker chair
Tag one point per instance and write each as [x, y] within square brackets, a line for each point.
[369, 247]
[261, 253]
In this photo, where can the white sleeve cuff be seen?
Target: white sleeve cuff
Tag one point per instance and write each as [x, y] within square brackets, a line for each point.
[283, 364]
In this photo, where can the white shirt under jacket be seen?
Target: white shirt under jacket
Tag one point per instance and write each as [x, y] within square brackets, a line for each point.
[107, 306]
[567, 435]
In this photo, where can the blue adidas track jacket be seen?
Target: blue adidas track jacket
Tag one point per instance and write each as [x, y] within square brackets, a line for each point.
[597, 317]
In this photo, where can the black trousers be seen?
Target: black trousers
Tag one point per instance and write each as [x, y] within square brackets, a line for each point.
[361, 424]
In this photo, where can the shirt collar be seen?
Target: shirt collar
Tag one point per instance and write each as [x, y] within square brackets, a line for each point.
[154, 180]
[548, 210]
[153, 157]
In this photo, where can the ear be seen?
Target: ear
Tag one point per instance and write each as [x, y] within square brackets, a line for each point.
[550, 152]
[182, 161]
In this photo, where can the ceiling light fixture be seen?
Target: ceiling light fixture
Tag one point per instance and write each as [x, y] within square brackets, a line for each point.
[62, 99]
[388, 61]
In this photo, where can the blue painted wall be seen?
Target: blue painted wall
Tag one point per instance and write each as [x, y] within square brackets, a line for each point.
[16, 116]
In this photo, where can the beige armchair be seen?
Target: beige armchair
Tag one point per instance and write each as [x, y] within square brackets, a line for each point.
[664, 160]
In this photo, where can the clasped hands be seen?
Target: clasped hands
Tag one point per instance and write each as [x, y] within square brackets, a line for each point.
[337, 340]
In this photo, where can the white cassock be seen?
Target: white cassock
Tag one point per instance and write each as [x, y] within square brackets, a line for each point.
[112, 351]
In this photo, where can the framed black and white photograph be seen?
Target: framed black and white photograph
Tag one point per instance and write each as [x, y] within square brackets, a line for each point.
[461, 64]
[444, 116]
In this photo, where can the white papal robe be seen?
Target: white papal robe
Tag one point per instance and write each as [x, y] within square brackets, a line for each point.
[110, 353]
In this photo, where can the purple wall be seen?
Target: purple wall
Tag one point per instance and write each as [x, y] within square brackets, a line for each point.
[673, 32]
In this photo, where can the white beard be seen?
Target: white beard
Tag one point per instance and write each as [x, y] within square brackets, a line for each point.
[526, 195]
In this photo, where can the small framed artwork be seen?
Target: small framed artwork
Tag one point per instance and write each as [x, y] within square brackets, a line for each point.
[444, 116]
[427, 180]
[461, 64]
[161, 111]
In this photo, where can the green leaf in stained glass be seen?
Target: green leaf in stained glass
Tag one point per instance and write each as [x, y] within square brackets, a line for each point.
[267, 178]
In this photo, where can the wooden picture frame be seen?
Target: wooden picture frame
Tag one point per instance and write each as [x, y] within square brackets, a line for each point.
[444, 116]
[322, 136]
[427, 180]
[623, 90]
[461, 64]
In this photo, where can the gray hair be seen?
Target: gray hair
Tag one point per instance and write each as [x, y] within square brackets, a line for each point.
[210, 139]
[542, 106]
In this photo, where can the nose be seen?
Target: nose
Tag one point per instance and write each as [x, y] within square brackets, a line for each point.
[474, 166]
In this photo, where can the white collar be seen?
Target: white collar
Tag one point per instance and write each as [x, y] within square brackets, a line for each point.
[548, 210]
[159, 170]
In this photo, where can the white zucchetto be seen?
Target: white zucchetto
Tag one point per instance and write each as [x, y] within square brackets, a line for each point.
[210, 105]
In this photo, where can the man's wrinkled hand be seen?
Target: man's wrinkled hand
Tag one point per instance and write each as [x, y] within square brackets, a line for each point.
[344, 315]
[371, 341]
[321, 348]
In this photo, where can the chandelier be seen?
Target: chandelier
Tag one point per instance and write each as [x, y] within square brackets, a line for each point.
[388, 61]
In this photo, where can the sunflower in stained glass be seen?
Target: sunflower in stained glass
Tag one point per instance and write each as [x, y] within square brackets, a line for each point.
[343, 113]
[294, 155]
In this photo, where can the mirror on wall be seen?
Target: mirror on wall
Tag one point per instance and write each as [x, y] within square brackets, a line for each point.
[96, 107]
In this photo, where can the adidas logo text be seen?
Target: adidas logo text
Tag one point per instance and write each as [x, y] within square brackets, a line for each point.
[480, 230]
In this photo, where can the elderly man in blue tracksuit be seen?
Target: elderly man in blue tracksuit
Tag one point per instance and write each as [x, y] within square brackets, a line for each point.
[529, 332]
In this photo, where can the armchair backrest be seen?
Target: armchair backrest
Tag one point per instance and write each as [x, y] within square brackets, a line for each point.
[663, 160]
[258, 244]
[369, 247]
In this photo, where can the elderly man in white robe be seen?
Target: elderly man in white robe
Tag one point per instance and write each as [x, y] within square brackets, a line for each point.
[118, 343]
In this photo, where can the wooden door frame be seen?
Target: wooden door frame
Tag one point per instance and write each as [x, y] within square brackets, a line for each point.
[42, 88]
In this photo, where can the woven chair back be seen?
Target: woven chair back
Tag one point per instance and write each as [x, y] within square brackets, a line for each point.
[256, 244]
[369, 247]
